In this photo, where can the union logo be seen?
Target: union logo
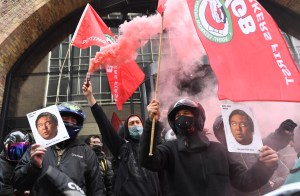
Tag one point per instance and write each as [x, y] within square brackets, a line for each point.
[110, 39]
[213, 20]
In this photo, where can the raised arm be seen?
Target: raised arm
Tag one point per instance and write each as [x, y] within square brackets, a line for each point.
[258, 175]
[109, 136]
[28, 168]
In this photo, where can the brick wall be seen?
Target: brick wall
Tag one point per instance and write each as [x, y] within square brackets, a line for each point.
[23, 22]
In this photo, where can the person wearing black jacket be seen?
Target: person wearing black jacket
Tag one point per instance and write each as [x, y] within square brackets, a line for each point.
[15, 145]
[73, 158]
[193, 164]
[105, 165]
[129, 177]
[277, 140]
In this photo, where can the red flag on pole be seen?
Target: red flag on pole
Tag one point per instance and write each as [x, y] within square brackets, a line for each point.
[246, 51]
[116, 121]
[88, 31]
[161, 6]
[123, 79]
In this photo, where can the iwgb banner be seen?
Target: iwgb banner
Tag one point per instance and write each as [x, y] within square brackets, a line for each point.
[246, 50]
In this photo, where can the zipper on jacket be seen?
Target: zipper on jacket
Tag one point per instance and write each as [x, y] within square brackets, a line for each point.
[203, 168]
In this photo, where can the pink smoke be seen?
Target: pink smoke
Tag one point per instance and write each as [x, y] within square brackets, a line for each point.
[185, 51]
[137, 32]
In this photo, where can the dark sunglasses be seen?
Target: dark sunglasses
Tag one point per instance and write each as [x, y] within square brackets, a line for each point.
[15, 151]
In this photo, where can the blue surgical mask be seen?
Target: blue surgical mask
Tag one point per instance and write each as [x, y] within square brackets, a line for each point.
[136, 131]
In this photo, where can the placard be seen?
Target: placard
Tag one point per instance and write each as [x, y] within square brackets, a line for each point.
[47, 126]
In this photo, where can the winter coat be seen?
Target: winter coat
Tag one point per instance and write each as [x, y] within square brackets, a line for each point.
[106, 174]
[208, 170]
[276, 180]
[6, 173]
[276, 142]
[78, 162]
[129, 177]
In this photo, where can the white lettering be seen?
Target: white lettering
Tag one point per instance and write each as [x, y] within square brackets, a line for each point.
[286, 72]
[74, 186]
[93, 38]
[247, 25]
[239, 9]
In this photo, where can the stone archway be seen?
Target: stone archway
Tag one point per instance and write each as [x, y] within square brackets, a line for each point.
[30, 29]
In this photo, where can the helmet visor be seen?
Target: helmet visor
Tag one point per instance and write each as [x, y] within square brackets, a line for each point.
[15, 151]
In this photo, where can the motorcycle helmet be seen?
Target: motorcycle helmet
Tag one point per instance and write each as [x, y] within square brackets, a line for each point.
[16, 144]
[186, 103]
[73, 110]
[219, 131]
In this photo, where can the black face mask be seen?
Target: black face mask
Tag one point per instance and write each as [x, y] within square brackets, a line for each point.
[184, 123]
[97, 149]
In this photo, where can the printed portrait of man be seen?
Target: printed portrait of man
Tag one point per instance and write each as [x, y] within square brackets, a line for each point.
[46, 124]
[241, 126]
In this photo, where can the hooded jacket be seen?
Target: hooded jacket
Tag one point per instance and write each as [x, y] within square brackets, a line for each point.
[209, 170]
[129, 177]
[6, 173]
[78, 162]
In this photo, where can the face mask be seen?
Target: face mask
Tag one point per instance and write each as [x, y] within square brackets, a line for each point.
[97, 149]
[135, 131]
[184, 123]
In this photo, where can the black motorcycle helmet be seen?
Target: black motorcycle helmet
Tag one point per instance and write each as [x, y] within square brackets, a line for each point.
[16, 144]
[186, 103]
[74, 110]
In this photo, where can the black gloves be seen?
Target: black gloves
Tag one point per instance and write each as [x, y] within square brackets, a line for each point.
[287, 125]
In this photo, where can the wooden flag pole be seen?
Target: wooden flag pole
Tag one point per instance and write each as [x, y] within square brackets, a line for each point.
[60, 74]
[156, 85]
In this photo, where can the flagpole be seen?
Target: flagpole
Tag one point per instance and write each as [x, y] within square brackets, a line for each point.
[156, 85]
[60, 74]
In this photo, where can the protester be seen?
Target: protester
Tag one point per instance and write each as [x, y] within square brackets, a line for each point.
[105, 165]
[194, 165]
[129, 177]
[294, 175]
[15, 145]
[249, 159]
[46, 124]
[71, 157]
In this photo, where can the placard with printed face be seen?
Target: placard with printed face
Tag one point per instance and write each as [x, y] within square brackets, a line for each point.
[47, 126]
[241, 129]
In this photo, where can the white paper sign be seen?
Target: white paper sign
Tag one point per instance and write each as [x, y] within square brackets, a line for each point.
[241, 129]
[47, 126]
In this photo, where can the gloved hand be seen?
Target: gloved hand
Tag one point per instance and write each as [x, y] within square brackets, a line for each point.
[287, 125]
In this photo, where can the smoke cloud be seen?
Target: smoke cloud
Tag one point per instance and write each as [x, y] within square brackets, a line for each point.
[184, 65]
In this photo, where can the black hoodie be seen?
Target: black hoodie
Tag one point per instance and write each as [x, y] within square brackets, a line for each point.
[129, 177]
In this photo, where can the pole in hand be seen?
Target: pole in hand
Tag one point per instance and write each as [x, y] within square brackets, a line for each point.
[156, 86]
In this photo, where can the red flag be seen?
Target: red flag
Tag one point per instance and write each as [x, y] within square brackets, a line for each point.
[88, 31]
[116, 121]
[161, 6]
[246, 51]
[123, 79]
